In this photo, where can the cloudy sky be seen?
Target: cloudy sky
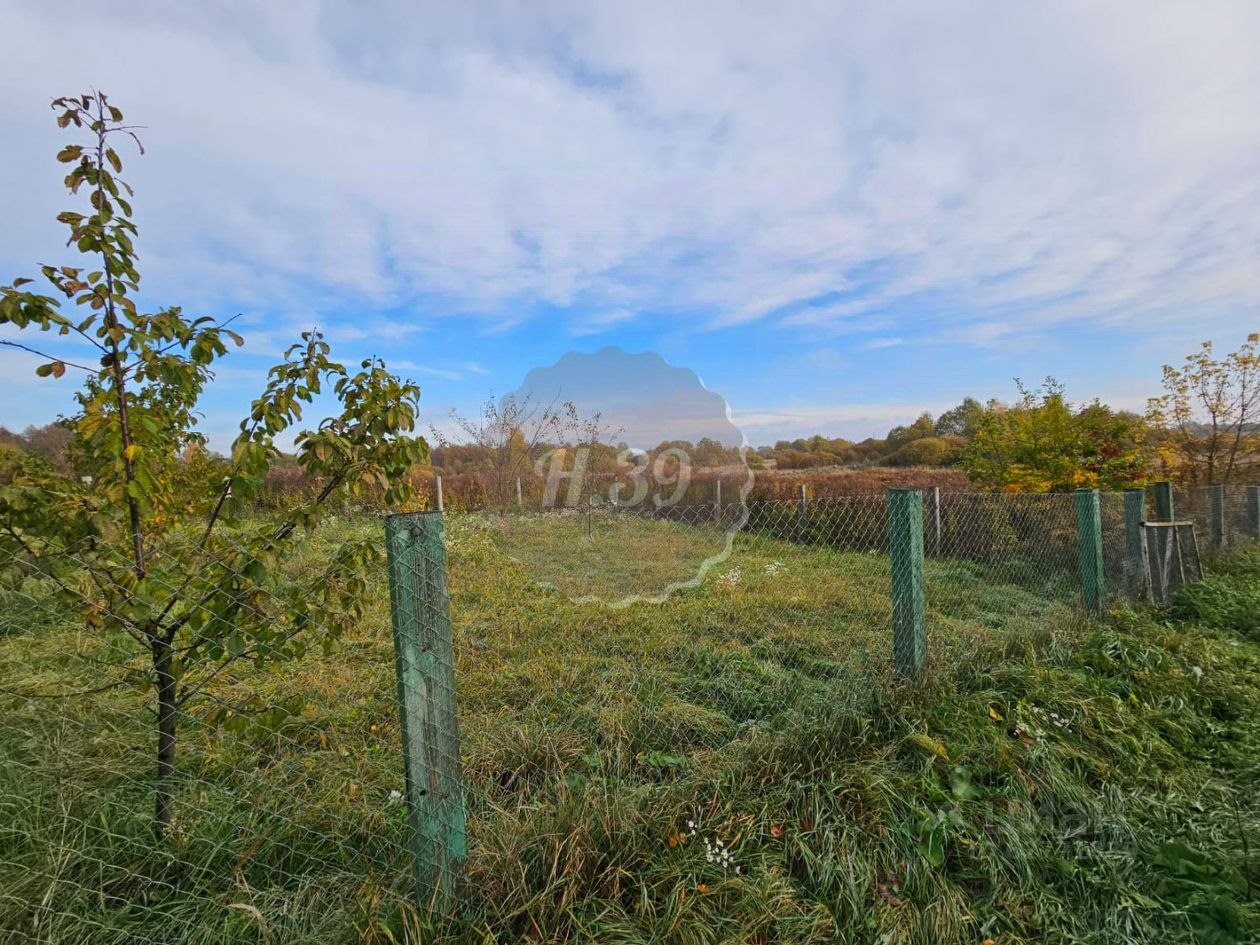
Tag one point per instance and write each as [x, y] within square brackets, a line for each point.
[837, 213]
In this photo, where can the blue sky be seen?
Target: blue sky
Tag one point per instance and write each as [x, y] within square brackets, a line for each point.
[838, 214]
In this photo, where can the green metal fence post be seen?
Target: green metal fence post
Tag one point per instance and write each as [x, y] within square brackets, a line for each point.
[1253, 512]
[1134, 553]
[1216, 518]
[1164, 502]
[909, 599]
[424, 661]
[1089, 545]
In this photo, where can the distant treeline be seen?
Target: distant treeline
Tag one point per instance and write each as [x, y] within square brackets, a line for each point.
[925, 442]
[1205, 429]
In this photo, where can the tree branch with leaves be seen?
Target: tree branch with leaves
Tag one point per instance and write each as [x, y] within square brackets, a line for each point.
[142, 542]
[1210, 413]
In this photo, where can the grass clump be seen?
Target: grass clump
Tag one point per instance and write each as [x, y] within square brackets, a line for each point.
[1228, 598]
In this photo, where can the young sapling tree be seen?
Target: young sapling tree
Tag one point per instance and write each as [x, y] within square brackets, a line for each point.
[141, 541]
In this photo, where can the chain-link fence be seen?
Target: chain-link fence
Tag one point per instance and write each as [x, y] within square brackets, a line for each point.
[546, 694]
[286, 816]
[1224, 517]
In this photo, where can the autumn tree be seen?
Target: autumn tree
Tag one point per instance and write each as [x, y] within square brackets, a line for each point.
[961, 420]
[158, 543]
[508, 435]
[901, 435]
[1209, 413]
[928, 451]
[49, 441]
[1042, 443]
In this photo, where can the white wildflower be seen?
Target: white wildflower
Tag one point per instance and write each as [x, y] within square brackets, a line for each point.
[715, 852]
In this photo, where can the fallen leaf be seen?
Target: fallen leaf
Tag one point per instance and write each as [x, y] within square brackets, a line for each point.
[928, 745]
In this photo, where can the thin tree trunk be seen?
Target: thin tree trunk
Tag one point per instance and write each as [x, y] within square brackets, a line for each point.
[167, 716]
[116, 364]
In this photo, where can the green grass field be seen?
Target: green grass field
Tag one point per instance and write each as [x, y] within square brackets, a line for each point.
[1049, 781]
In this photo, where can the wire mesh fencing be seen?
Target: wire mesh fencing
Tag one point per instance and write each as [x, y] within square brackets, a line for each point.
[643, 643]
[508, 681]
[1224, 516]
[263, 800]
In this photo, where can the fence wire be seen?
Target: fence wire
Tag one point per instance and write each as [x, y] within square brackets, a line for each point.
[533, 663]
[288, 819]
[1236, 507]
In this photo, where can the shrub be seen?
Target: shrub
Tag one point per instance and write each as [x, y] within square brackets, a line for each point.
[929, 451]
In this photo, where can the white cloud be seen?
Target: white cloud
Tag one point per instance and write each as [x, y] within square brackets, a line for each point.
[1019, 165]
[411, 367]
[601, 321]
[876, 343]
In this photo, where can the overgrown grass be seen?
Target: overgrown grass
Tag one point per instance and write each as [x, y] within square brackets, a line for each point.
[1227, 599]
[1049, 781]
